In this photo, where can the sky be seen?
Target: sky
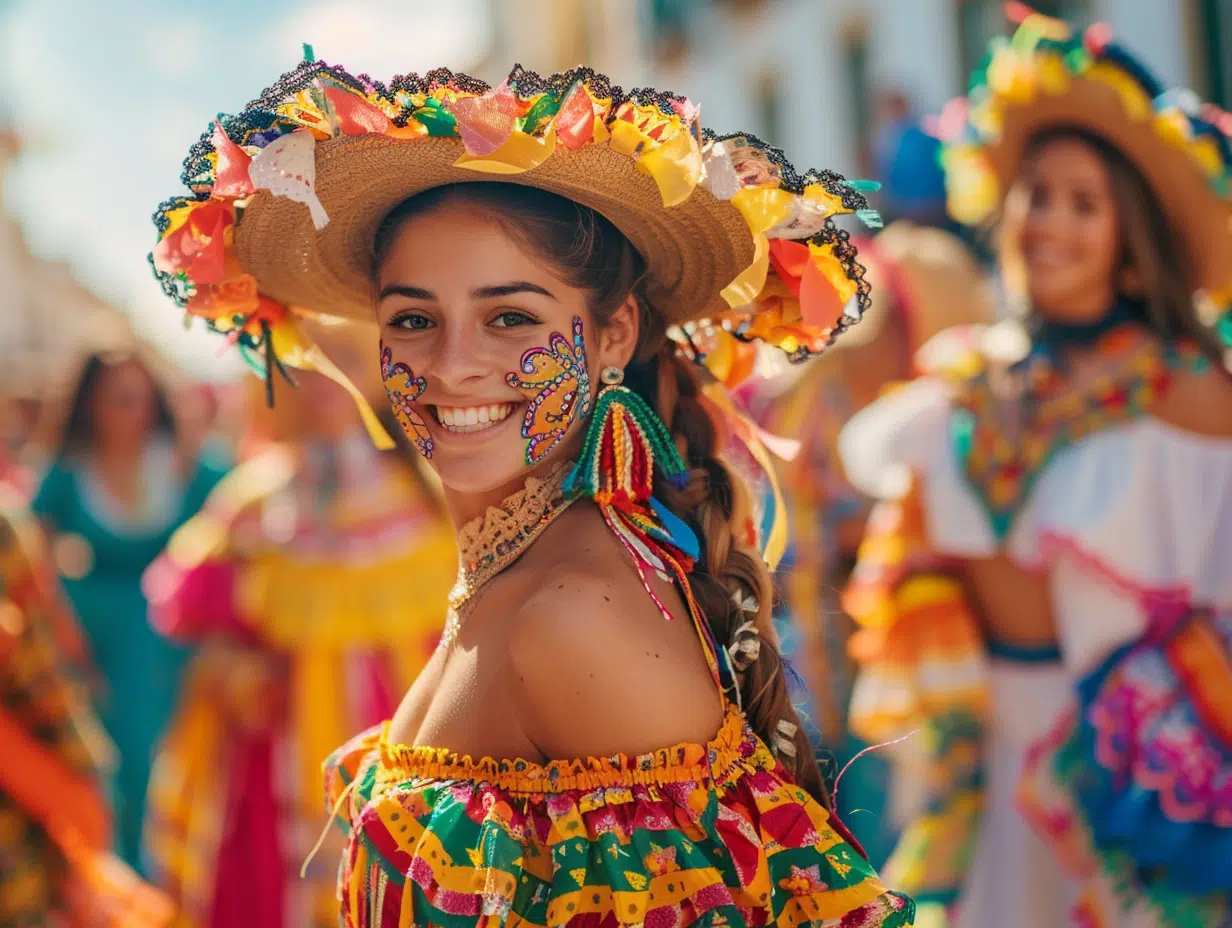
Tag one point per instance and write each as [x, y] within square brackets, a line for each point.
[108, 95]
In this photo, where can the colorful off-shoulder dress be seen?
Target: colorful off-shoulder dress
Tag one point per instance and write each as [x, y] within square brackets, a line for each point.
[714, 834]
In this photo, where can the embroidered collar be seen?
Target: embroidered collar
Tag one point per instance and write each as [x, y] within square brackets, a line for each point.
[1009, 421]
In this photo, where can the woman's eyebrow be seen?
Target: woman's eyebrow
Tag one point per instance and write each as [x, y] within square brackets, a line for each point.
[517, 286]
[415, 293]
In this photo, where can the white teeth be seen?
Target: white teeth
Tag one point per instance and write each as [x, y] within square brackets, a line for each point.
[472, 418]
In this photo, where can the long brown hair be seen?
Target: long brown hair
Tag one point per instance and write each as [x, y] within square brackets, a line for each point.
[591, 254]
[1150, 247]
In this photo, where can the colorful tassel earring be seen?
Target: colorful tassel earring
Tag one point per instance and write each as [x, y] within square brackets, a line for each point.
[624, 442]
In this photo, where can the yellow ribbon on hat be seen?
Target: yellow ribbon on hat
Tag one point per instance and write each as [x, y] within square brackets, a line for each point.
[1051, 73]
[774, 545]
[1136, 102]
[676, 167]
[177, 217]
[818, 196]
[762, 208]
[518, 153]
[294, 348]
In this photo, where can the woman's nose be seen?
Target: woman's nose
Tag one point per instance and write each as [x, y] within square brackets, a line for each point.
[458, 360]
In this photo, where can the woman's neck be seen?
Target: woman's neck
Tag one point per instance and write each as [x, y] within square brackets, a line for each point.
[119, 468]
[1054, 335]
[489, 544]
[465, 508]
[117, 453]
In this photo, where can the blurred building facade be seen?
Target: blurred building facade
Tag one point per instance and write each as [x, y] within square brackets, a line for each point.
[831, 81]
[554, 35]
[821, 77]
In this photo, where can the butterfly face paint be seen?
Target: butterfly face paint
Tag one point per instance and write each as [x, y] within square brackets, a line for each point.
[403, 389]
[555, 378]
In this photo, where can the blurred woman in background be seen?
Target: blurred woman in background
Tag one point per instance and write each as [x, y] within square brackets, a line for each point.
[119, 483]
[1046, 591]
[315, 580]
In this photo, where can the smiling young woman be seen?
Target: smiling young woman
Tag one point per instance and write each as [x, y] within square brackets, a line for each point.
[1047, 595]
[604, 735]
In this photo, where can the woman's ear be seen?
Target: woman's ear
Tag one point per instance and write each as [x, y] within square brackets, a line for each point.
[617, 340]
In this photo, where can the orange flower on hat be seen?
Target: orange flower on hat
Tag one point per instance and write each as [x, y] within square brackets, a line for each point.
[815, 277]
[235, 296]
[197, 247]
[354, 115]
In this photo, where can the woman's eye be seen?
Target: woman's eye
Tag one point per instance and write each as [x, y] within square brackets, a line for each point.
[413, 321]
[512, 318]
[1039, 198]
[1084, 204]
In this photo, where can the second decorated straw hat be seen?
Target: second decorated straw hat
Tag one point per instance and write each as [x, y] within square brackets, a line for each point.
[284, 200]
[1046, 77]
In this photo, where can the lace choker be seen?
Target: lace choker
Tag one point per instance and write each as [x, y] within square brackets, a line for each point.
[490, 543]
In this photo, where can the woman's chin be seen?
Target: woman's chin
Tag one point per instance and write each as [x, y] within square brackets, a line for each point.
[479, 474]
[492, 473]
[1068, 301]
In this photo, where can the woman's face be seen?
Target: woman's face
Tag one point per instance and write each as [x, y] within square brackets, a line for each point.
[1068, 231]
[124, 408]
[489, 358]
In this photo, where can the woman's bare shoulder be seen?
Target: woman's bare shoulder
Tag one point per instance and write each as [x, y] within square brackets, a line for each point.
[594, 660]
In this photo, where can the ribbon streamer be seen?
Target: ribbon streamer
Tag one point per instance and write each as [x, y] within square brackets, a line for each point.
[294, 348]
[774, 545]
[762, 208]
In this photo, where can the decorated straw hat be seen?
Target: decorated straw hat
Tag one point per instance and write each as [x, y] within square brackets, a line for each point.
[1045, 77]
[284, 200]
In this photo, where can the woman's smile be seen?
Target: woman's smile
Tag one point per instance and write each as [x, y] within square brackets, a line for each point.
[463, 420]
[1046, 256]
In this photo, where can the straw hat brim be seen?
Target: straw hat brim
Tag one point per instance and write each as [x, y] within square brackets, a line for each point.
[1201, 219]
[692, 250]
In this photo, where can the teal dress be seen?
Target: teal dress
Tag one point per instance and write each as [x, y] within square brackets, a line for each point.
[102, 558]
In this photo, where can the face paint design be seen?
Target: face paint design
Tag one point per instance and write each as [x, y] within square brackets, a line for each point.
[404, 388]
[556, 380]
